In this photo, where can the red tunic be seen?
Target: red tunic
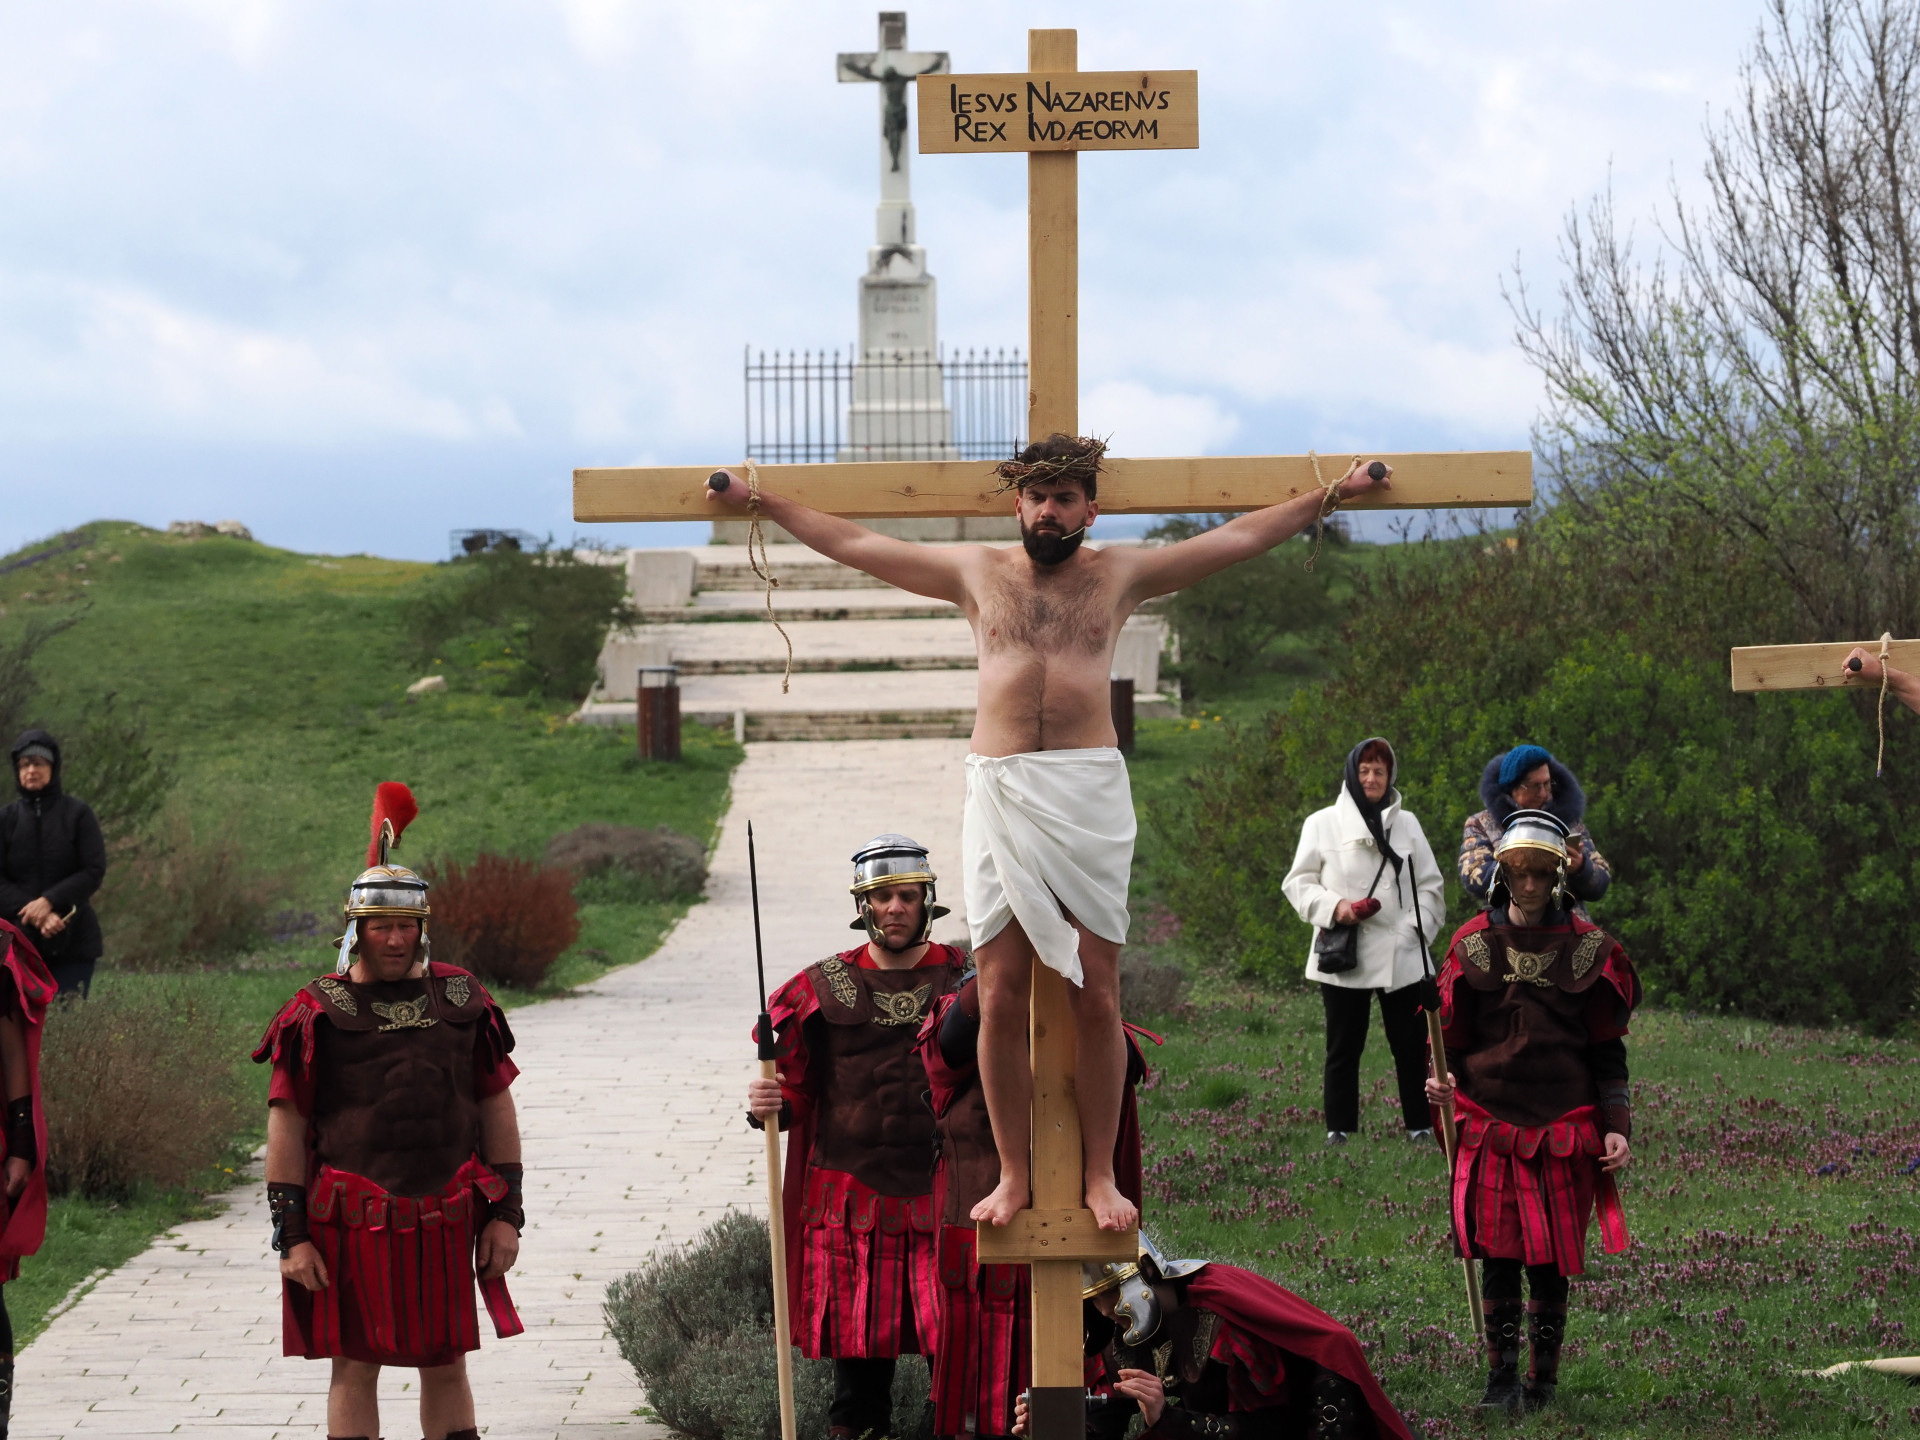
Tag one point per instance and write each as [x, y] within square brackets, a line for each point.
[399, 1254]
[1517, 1026]
[984, 1354]
[23, 1221]
[857, 1198]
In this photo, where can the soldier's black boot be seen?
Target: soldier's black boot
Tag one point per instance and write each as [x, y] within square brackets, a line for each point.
[6, 1395]
[1546, 1332]
[1504, 1388]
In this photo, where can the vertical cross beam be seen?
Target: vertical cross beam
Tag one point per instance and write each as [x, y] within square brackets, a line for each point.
[1056, 1405]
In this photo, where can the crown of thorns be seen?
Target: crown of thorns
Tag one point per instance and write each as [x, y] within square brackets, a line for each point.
[1082, 465]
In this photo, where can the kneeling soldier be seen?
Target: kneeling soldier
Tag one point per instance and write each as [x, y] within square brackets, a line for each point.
[391, 1140]
[1210, 1352]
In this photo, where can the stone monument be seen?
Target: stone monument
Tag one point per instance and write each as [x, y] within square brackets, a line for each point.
[898, 409]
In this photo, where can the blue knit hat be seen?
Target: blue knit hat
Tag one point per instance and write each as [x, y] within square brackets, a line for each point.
[1521, 759]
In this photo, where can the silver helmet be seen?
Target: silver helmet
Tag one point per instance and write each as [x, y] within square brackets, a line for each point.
[1137, 1307]
[1539, 832]
[383, 887]
[892, 860]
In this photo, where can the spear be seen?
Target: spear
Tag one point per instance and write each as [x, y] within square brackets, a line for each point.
[1437, 1044]
[776, 1216]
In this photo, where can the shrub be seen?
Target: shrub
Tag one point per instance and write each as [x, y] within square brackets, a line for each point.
[697, 1327]
[1148, 987]
[176, 899]
[521, 623]
[1747, 833]
[506, 920]
[1267, 615]
[622, 862]
[140, 1086]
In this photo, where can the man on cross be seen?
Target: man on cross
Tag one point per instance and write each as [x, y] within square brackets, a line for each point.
[1049, 825]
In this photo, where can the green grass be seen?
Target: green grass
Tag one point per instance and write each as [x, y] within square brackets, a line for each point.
[274, 684]
[1749, 1264]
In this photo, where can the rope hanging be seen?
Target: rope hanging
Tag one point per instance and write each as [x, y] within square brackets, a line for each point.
[762, 567]
[1880, 760]
[1329, 502]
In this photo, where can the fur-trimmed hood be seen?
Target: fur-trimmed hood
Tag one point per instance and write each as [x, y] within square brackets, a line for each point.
[1568, 805]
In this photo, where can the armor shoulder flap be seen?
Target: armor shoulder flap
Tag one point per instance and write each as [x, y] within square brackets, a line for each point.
[843, 1000]
[463, 999]
[340, 1005]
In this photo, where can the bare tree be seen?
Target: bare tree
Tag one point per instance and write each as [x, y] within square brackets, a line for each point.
[1762, 373]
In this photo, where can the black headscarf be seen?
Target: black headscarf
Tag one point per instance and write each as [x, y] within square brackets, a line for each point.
[39, 798]
[1369, 810]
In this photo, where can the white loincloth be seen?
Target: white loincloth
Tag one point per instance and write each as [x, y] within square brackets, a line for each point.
[1048, 831]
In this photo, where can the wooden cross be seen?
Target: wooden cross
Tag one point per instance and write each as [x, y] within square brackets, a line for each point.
[1814, 667]
[1051, 112]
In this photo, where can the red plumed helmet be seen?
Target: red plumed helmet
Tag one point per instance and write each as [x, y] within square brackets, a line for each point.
[393, 805]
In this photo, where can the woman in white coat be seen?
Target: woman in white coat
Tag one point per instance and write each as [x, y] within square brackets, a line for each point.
[1364, 863]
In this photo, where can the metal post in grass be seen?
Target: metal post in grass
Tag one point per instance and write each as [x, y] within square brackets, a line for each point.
[657, 699]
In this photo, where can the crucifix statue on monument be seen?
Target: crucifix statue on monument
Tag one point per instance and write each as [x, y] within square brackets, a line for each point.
[1048, 831]
[894, 68]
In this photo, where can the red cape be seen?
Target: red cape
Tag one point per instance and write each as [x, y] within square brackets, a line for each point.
[26, 1223]
[1278, 1316]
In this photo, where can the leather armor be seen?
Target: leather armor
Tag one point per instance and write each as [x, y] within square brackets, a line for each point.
[1525, 1009]
[874, 1122]
[393, 1074]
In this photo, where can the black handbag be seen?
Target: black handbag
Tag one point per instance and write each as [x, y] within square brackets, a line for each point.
[1337, 947]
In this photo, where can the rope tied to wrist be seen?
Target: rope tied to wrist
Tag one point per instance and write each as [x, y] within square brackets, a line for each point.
[1330, 498]
[763, 567]
[1880, 760]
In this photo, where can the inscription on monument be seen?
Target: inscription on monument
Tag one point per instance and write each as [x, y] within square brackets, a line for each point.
[1118, 110]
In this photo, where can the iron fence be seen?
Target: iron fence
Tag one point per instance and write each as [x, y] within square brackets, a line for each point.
[806, 406]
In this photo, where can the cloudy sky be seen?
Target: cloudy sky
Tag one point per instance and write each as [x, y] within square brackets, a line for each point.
[360, 273]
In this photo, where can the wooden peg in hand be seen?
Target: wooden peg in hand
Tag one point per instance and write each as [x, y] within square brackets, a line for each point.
[1376, 471]
[718, 482]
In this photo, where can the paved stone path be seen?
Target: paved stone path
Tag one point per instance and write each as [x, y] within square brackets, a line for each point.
[631, 1110]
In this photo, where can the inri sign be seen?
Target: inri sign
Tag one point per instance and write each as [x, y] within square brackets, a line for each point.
[1072, 110]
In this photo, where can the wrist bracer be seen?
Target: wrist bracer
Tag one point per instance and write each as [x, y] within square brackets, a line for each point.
[287, 1204]
[20, 1137]
[510, 1207]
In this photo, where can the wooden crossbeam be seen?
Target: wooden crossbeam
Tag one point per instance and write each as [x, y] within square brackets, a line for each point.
[1054, 1235]
[1813, 667]
[1182, 485]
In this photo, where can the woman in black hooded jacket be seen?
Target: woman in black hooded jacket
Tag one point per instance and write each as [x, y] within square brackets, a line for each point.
[52, 859]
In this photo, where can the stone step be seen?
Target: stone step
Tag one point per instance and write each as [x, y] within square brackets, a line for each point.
[817, 573]
[884, 603]
[818, 645]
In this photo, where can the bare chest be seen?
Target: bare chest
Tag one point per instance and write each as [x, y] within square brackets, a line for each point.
[1054, 615]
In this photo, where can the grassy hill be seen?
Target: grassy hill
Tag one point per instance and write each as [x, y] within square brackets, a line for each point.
[273, 685]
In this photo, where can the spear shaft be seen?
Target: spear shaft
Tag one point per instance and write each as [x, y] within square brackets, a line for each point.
[776, 1214]
[1438, 1044]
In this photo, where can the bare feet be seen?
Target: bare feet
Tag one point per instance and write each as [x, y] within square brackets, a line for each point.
[1111, 1209]
[1008, 1199]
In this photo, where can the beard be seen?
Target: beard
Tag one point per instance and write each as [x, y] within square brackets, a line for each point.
[1049, 546]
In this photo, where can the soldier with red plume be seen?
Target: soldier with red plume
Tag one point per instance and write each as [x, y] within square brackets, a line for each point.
[862, 1276]
[393, 1155]
[1534, 1004]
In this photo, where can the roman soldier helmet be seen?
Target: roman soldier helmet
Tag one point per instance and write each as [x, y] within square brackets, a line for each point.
[385, 888]
[1538, 831]
[1138, 1307]
[892, 860]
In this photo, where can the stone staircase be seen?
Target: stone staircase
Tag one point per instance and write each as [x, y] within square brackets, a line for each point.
[870, 662]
